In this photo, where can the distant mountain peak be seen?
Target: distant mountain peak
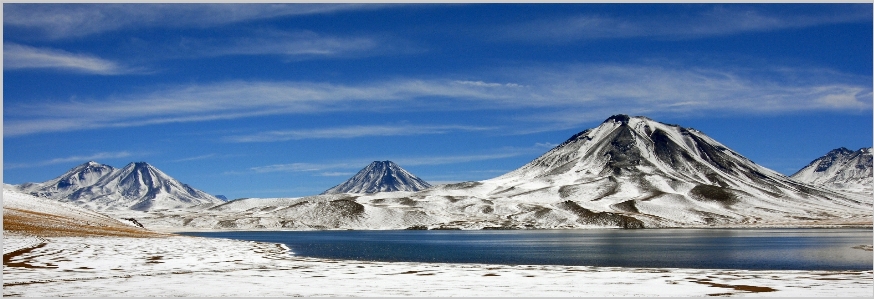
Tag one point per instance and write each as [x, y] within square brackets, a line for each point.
[137, 186]
[840, 169]
[380, 176]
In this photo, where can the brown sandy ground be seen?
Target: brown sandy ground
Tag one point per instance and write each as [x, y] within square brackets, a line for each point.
[48, 225]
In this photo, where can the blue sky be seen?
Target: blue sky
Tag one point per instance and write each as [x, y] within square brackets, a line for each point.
[282, 100]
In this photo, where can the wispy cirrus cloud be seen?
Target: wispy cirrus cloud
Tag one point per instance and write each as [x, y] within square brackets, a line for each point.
[305, 167]
[354, 132]
[295, 44]
[548, 95]
[197, 158]
[230, 100]
[586, 93]
[57, 21]
[360, 163]
[326, 169]
[336, 173]
[76, 159]
[689, 24]
[17, 56]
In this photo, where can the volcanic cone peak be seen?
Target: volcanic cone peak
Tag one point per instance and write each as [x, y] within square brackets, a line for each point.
[137, 186]
[650, 156]
[380, 176]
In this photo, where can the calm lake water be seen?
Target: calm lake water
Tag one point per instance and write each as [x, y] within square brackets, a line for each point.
[763, 249]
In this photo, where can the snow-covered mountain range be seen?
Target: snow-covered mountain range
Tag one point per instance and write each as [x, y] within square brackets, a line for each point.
[841, 169]
[380, 176]
[137, 186]
[627, 172]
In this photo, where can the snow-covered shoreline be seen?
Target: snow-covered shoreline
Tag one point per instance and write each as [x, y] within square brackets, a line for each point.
[193, 266]
[57, 249]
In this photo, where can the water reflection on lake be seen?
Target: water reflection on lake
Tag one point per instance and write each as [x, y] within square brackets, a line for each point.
[772, 249]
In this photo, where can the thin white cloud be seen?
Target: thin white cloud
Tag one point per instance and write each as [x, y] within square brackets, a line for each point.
[353, 132]
[303, 43]
[442, 160]
[195, 158]
[292, 45]
[549, 95]
[598, 90]
[696, 23]
[17, 56]
[57, 21]
[76, 159]
[229, 100]
[323, 169]
[307, 167]
[486, 84]
[676, 89]
[336, 173]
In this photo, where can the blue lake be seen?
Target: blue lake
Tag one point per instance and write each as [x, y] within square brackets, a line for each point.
[754, 249]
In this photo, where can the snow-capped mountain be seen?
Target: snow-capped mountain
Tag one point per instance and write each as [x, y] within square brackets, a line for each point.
[380, 176]
[137, 186]
[628, 172]
[652, 171]
[840, 169]
[79, 177]
[636, 155]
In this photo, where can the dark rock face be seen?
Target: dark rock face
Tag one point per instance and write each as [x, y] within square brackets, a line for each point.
[346, 207]
[380, 176]
[714, 193]
[134, 221]
[829, 159]
[622, 118]
[586, 216]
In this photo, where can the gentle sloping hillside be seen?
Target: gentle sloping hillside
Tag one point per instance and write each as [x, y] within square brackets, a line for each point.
[27, 214]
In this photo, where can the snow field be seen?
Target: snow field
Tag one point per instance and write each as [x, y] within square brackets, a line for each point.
[13, 242]
[191, 266]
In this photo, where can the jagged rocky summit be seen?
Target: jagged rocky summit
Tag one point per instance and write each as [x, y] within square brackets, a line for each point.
[841, 169]
[380, 176]
[138, 186]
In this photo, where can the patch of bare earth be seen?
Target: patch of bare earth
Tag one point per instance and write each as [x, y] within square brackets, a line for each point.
[7, 258]
[43, 225]
[744, 288]
[49, 225]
